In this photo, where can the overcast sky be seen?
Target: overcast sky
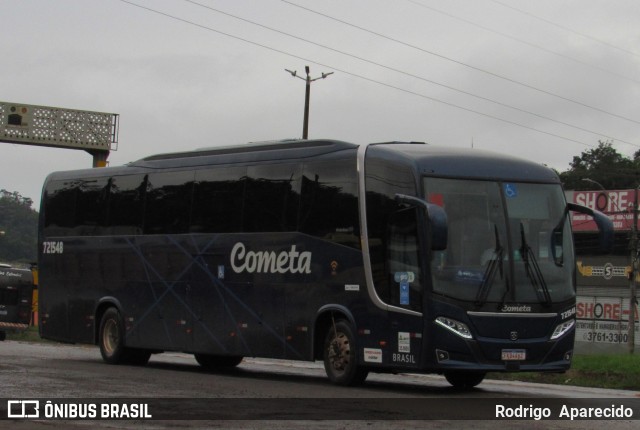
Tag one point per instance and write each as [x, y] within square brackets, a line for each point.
[543, 80]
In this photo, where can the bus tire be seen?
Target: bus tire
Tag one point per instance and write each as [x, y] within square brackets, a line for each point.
[111, 337]
[464, 380]
[213, 362]
[341, 356]
[3, 336]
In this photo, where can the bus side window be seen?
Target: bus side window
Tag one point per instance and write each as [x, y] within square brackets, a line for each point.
[403, 260]
[126, 204]
[272, 198]
[60, 208]
[92, 206]
[218, 202]
[384, 180]
[329, 202]
[168, 202]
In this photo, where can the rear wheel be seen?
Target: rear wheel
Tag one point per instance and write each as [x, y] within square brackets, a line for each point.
[111, 337]
[340, 356]
[3, 336]
[111, 340]
[213, 362]
[460, 379]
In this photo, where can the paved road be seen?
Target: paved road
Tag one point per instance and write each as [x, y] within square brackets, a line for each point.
[261, 390]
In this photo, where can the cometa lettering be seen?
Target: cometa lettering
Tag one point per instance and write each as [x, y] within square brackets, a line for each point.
[290, 261]
[516, 308]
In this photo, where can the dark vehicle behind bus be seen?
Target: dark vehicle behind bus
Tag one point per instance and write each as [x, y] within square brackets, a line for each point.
[16, 295]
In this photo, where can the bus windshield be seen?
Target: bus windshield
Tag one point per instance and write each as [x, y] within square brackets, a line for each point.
[506, 242]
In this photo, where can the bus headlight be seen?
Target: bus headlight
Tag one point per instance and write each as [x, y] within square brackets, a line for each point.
[563, 328]
[457, 327]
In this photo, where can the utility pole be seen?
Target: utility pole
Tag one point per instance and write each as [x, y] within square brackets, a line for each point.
[633, 245]
[307, 95]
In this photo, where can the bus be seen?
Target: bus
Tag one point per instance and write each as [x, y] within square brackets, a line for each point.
[16, 295]
[388, 257]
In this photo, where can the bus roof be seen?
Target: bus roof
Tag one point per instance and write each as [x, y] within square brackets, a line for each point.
[439, 161]
[255, 151]
[425, 159]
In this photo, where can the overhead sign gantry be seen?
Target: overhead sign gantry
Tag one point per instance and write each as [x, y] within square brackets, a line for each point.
[94, 132]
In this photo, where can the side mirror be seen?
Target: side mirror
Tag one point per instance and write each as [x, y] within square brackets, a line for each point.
[605, 225]
[437, 220]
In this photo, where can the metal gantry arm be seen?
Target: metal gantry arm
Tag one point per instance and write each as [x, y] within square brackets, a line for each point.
[94, 132]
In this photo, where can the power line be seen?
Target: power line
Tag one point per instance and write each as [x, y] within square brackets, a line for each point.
[602, 42]
[496, 75]
[412, 75]
[355, 75]
[522, 41]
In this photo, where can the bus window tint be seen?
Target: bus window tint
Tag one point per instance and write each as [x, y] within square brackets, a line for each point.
[329, 204]
[126, 204]
[272, 198]
[168, 202]
[60, 207]
[403, 267]
[92, 206]
[392, 233]
[218, 200]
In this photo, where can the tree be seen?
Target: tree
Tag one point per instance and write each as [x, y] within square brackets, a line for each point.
[19, 222]
[604, 165]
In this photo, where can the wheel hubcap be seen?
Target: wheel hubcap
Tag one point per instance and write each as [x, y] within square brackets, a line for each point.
[110, 337]
[339, 352]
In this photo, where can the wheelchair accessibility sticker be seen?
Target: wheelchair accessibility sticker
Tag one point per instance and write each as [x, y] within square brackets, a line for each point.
[511, 191]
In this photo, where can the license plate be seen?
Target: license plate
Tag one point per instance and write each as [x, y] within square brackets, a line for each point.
[514, 355]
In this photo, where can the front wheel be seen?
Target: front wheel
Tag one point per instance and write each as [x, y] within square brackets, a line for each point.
[341, 356]
[462, 380]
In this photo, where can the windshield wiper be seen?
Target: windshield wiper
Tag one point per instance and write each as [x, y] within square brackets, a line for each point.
[533, 270]
[490, 272]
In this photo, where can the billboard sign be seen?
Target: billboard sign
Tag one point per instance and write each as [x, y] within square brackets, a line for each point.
[607, 271]
[617, 204]
[605, 320]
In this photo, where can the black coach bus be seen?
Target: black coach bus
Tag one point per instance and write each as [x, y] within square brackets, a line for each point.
[381, 257]
[16, 295]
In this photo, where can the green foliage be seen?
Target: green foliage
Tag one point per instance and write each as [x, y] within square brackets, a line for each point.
[19, 222]
[603, 165]
[626, 364]
[619, 371]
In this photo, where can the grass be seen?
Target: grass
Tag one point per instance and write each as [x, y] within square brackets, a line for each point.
[29, 335]
[621, 371]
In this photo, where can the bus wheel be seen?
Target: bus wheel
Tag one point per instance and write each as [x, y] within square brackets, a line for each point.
[3, 336]
[213, 362]
[341, 358]
[111, 337]
[460, 379]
